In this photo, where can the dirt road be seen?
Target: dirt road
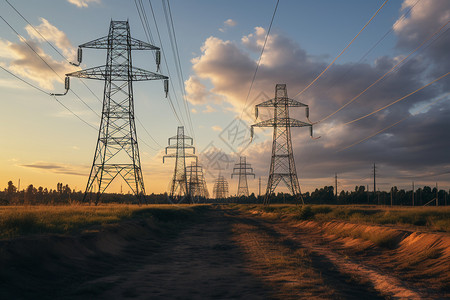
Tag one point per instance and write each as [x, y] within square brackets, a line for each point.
[225, 255]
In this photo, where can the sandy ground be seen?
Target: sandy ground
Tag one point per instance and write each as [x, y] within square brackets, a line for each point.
[225, 255]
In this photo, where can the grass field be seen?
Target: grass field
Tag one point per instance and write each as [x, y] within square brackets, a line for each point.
[18, 221]
[434, 218]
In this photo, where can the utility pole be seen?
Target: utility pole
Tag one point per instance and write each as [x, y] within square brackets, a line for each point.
[179, 185]
[335, 185]
[243, 170]
[413, 193]
[375, 184]
[18, 187]
[282, 165]
[117, 151]
[437, 195]
[391, 196]
[368, 199]
[259, 193]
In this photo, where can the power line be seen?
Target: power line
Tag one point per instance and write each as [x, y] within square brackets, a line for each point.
[81, 119]
[391, 29]
[146, 26]
[342, 52]
[180, 120]
[50, 44]
[257, 66]
[398, 100]
[260, 56]
[384, 75]
[175, 52]
[24, 81]
[394, 124]
[42, 91]
[183, 89]
[45, 62]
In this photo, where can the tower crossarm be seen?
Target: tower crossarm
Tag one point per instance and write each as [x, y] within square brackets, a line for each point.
[102, 43]
[280, 102]
[283, 101]
[174, 155]
[119, 73]
[242, 173]
[175, 147]
[183, 137]
[281, 122]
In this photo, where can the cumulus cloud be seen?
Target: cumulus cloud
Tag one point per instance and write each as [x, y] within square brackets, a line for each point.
[228, 67]
[197, 93]
[53, 35]
[83, 3]
[228, 23]
[23, 61]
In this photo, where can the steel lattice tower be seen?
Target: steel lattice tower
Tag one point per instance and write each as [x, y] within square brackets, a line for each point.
[179, 185]
[220, 190]
[196, 182]
[243, 170]
[117, 152]
[282, 165]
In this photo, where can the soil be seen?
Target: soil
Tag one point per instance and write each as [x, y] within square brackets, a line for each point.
[227, 254]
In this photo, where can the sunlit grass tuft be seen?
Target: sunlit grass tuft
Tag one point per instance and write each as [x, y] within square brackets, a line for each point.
[435, 218]
[26, 220]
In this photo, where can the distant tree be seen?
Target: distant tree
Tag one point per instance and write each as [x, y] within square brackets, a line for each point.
[30, 194]
[11, 189]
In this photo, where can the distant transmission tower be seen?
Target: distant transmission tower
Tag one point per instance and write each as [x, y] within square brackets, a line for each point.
[220, 190]
[117, 152]
[179, 185]
[242, 169]
[196, 182]
[282, 165]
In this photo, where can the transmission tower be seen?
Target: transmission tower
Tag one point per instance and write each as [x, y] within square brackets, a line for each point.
[242, 169]
[282, 165]
[117, 152]
[196, 182]
[220, 190]
[179, 185]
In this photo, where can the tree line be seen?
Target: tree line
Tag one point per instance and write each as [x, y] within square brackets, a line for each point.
[63, 194]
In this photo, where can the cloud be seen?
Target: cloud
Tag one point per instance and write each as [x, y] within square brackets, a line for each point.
[228, 23]
[217, 128]
[426, 17]
[24, 62]
[228, 67]
[209, 109]
[82, 3]
[58, 168]
[194, 111]
[53, 35]
[197, 93]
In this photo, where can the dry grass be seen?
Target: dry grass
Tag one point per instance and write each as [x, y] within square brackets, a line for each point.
[434, 218]
[18, 221]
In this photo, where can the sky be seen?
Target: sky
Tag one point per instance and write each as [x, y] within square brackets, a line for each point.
[219, 45]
